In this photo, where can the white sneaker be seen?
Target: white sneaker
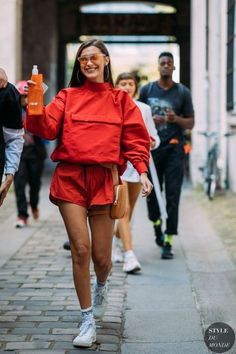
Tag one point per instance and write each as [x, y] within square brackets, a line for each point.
[21, 222]
[87, 333]
[117, 254]
[99, 300]
[131, 263]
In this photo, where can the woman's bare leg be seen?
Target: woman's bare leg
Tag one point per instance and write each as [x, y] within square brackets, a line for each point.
[123, 225]
[134, 191]
[101, 232]
[75, 219]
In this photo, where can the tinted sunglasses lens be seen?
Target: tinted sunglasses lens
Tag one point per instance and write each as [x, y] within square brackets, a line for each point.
[83, 60]
[93, 58]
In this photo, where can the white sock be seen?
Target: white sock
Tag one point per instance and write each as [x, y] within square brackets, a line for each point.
[87, 312]
[129, 253]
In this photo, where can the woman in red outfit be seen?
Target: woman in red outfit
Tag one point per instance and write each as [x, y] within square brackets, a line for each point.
[97, 126]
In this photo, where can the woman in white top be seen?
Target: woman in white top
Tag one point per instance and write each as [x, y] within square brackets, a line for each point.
[128, 83]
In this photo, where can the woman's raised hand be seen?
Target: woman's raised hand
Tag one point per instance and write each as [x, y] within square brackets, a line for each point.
[29, 83]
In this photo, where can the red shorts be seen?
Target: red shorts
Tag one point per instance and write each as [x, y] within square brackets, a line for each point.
[85, 185]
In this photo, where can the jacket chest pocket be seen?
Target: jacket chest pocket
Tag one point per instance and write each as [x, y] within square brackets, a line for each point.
[94, 135]
[97, 127]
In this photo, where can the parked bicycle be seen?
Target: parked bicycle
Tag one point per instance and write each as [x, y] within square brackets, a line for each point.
[211, 171]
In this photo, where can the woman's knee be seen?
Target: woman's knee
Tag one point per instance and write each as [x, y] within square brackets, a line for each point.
[80, 254]
[102, 263]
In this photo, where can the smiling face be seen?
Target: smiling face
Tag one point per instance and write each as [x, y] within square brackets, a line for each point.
[127, 85]
[92, 64]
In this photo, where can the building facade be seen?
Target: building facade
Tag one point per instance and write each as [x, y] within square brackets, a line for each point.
[213, 84]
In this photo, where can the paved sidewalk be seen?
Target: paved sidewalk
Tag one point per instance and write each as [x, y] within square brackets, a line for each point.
[164, 310]
[172, 303]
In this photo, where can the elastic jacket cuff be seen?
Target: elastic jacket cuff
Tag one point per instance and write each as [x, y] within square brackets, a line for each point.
[141, 167]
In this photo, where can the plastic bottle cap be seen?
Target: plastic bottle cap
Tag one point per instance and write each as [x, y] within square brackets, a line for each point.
[35, 70]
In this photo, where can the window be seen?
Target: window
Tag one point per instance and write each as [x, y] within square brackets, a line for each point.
[231, 53]
[128, 7]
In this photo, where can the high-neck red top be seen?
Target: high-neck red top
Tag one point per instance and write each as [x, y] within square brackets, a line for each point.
[94, 124]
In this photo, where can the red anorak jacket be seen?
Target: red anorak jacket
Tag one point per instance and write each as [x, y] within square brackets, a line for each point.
[94, 124]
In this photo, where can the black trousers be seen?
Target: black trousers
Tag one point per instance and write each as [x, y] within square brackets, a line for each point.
[1, 171]
[169, 163]
[29, 172]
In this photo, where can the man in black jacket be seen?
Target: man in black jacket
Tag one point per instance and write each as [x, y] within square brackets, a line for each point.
[30, 170]
[11, 133]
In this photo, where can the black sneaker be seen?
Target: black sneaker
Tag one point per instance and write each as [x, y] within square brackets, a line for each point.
[159, 235]
[167, 252]
[66, 245]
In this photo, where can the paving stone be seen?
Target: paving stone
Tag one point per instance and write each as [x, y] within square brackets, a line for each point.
[8, 318]
[82, 351]
[109, 347]
[108, 325]
[43, 307]
[110, 339]
[46, 351]
[63, 313]
[108, 331]
[70, 318]
[23, 313]
[27, 345]
[59, 298]
[64, 345]
[12, 338]
[30, 331]
[3, 302]
[38, 285]
[52, 337]
[59, 324]
[11, 308]
[65, 331]
[18, 297]
[39, 318]
[72, 307]
[112, 319]
[17, 324]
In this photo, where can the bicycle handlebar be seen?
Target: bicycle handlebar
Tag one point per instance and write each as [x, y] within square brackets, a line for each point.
[208, 134]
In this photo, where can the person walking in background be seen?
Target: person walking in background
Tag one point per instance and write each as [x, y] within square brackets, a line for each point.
[173, 113]
[11, 134]
[128, 83]
[98, 129]
[30, 169]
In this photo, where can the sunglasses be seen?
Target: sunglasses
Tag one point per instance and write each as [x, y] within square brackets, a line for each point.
[93, 57]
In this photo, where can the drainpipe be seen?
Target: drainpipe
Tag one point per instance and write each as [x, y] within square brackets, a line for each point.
[207, 79]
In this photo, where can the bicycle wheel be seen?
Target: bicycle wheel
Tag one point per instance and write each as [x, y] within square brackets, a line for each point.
[211, 188]
[212, 174]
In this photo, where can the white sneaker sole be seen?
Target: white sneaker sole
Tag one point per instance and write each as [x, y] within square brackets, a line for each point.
[133, 270]
[99, 313]
[117, 259]
[83, 343]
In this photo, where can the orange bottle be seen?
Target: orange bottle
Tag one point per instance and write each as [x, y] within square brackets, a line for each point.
[35, 94]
